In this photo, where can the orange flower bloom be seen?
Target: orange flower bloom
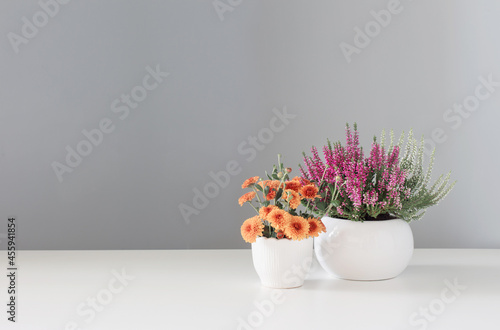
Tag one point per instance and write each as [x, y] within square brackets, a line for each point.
[246, 197]
[274, 184]
[293, 185]
[251, 229]
[295, 201]
[322, 225]
[279, 218]
[297, 228]
[263, 183]
[315, 227]
[270, 183]
[271, 194]
[301, 180]
[249, 182]
[265, 210]
[273, 187]
[309, 191]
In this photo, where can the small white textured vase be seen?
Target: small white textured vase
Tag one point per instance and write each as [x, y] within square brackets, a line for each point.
[282, 263]
[365, 251]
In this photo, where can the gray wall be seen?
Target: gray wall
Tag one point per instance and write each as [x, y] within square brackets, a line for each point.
[227, 71]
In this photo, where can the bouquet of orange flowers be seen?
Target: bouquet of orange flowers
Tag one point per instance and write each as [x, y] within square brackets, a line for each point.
[278, 199]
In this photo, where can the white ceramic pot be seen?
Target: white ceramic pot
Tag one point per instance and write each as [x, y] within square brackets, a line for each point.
[282, 263]
[365, 251]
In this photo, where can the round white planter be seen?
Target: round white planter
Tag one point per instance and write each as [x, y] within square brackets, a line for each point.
[365, 251]
[282, 263]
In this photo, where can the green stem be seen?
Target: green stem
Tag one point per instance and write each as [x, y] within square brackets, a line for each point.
[308, 203]
[257, 194]
[324, 172]
[328, 209]
[254, 208]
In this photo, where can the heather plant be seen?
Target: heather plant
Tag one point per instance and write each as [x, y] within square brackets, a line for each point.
[381, 186]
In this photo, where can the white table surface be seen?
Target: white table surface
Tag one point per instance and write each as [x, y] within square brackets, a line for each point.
[216, 289]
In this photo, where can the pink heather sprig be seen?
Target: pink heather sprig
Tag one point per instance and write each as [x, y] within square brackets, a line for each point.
[377, 157]
[394, 158]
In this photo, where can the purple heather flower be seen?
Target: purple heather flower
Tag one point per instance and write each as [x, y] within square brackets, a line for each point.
[375, 181]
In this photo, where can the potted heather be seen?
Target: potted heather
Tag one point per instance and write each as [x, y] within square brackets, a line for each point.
[280, 233]
[366, 203]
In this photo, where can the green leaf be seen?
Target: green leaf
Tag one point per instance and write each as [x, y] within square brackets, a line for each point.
[267, 231]
[332, 189]
[321, 205]
[278, 194]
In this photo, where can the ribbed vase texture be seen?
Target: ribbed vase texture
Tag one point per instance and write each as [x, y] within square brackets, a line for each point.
[282, 263]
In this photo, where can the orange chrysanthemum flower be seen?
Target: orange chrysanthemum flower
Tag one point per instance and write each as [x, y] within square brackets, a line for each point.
[293, 185]
[265, 210]
[249, 181]
[263, 183]
[279, 218]
[322, 225]
[275, 184]
[302, 181]
[280, 234]
[295, 198]
[315, 227]
[251, 229]
[297, 228]
[273, 188]
[309, 191]
[269, 183]
[246, 197]
[271, 194]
